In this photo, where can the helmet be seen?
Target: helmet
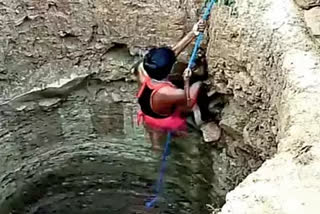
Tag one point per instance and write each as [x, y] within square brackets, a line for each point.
[158, 62]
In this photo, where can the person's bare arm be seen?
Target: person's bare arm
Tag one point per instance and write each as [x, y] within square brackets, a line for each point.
[187, 39]
[168, 98]
[183, 43]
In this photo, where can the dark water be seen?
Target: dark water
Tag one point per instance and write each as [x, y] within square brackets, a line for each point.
[88, 156]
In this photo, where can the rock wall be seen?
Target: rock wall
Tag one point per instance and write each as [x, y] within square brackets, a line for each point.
[72, 56]
[307, 4]
[312, 17]
[243, 66]
[263, 54]
[83, 153]
[242, 62]
[44, 41]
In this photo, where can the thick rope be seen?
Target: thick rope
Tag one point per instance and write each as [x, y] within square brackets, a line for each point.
[205, 17]
[159, 185]
[193, 57]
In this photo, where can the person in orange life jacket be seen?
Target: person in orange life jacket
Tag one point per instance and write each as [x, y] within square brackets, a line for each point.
[163, 105]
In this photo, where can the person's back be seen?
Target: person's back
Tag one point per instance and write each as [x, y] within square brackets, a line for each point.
[162, 98]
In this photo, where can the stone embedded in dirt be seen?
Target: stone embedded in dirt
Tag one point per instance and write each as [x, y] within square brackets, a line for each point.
[233, 120]
[307, 4]
[211, 132]
[49, 102]
[211, 93]
[312, 18]
[116, 97]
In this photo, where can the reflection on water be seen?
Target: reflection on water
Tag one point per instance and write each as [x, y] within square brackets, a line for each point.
[88, 156]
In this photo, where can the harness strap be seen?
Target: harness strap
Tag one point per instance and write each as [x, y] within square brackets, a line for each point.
[153, 86]
[140, 118]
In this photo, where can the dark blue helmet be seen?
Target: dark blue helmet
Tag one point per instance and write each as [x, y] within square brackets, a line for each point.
[158, 62]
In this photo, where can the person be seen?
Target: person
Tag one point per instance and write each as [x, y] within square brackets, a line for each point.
[163, 105]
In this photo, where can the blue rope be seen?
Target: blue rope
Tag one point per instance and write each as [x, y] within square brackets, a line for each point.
[200, 36]
[166, 151]
[159, 186]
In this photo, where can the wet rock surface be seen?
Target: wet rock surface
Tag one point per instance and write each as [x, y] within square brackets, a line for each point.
[77, 156]
[83, 153]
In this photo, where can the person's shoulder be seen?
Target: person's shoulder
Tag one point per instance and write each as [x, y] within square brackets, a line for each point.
[170, 90]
